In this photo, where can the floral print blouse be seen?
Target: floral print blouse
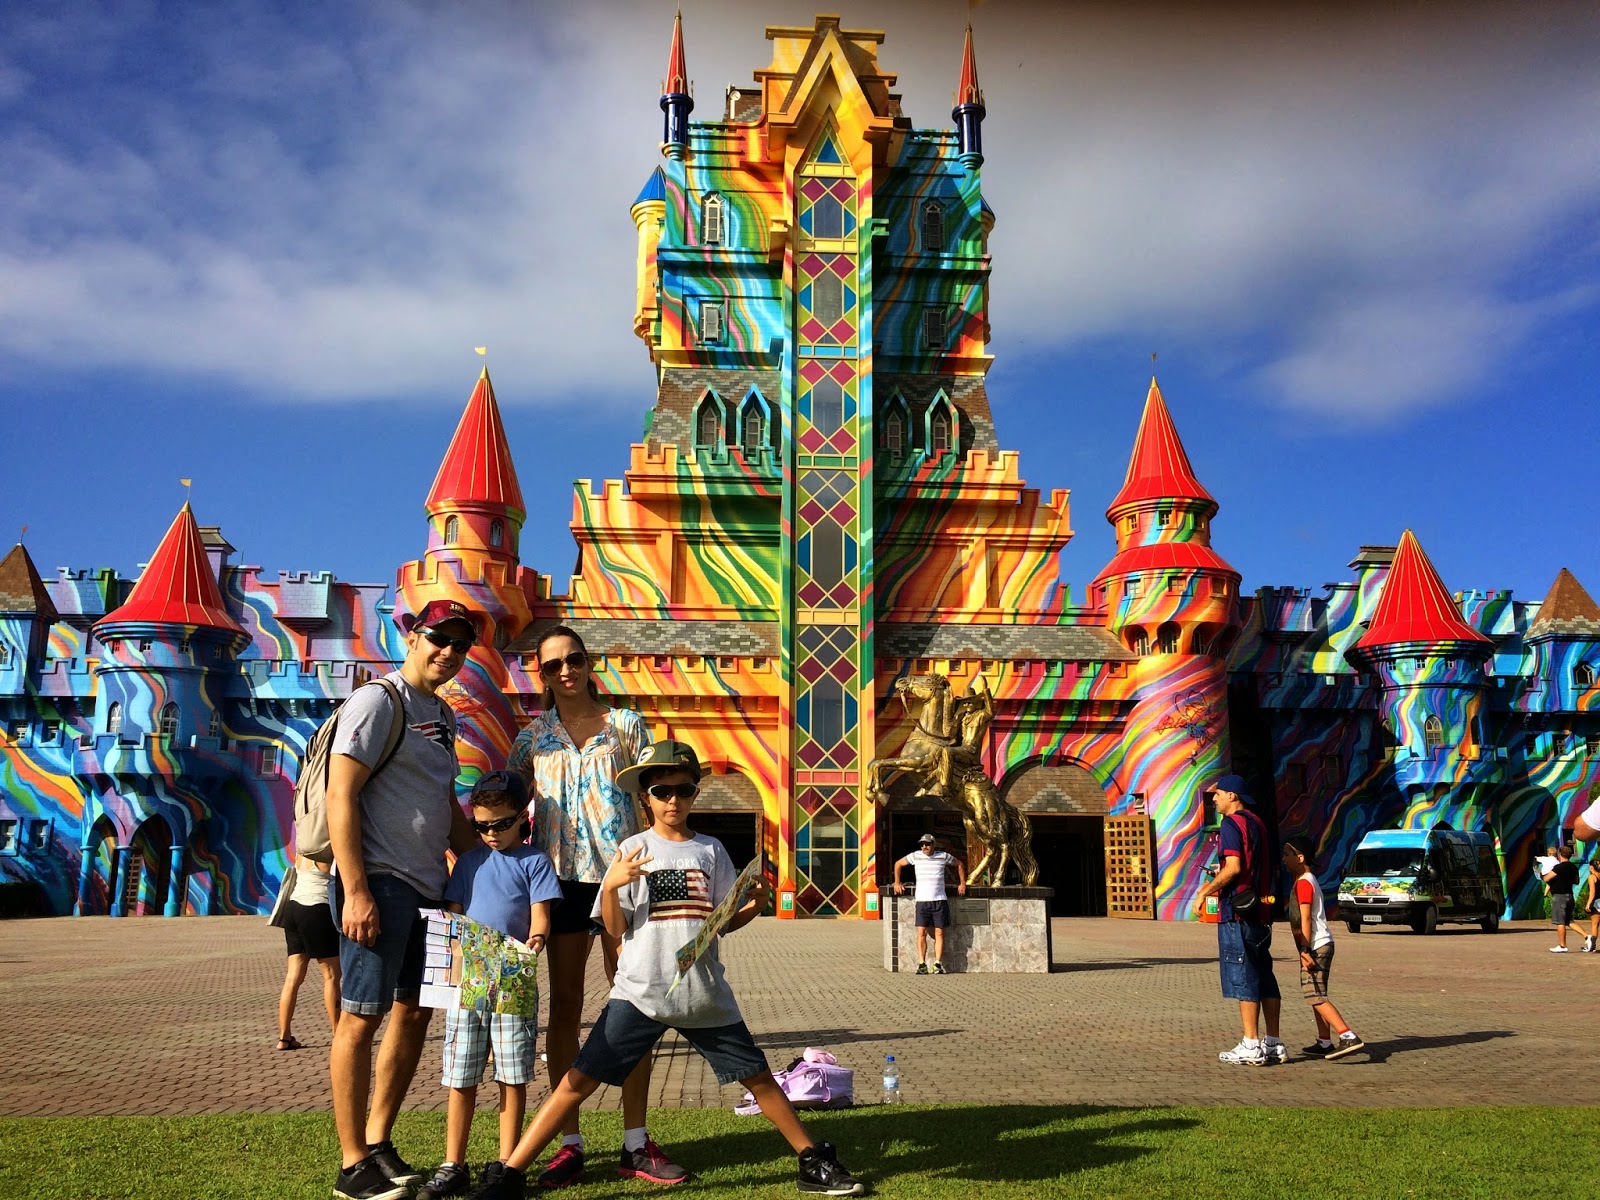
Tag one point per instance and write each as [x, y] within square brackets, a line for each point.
[580, 815]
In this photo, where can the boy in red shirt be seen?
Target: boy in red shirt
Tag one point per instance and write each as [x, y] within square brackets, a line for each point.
[1308, 921]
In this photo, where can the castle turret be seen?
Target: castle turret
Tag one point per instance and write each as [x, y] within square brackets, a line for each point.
[677, 102]
[1428, 662]
[26, 614]
[969, 112]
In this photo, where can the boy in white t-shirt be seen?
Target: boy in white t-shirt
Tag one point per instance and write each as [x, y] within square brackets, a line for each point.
[655, 897]
[1308, 921]
[932, 866]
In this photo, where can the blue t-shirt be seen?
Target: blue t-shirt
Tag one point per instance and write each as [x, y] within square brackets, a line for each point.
[498, 889]
[1258, 874]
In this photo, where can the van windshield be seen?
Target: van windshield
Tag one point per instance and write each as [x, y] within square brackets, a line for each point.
[1387, 860]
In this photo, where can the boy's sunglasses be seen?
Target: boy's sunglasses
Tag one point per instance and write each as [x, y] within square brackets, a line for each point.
[672, 791]
[577, 660]
[441, 640]
[500, 826]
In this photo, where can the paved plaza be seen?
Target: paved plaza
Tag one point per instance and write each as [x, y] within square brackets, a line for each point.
[155, 1016]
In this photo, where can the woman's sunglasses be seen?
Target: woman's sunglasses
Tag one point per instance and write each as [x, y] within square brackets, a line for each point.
[500, 826]
[441, 640]
[672, 791]
[577, 660]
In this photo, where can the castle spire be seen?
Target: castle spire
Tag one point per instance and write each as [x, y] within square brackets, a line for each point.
[677, 102]
[1415, 607]
[969, 112]
[477, 468]
[1159, 468]
[179, 586]
[21, 589]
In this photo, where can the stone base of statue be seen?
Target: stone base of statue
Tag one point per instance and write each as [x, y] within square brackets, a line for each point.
[992, 929]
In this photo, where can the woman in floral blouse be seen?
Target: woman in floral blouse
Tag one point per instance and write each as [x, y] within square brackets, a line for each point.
[570, 756]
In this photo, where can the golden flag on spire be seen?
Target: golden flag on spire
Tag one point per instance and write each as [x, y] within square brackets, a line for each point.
[186, 482]
[481, 351]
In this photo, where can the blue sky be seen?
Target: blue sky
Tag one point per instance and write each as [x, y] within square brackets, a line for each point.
[256, 248]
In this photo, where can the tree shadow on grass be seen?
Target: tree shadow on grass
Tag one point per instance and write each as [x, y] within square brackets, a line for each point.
[984, 1144]
[1129, 964]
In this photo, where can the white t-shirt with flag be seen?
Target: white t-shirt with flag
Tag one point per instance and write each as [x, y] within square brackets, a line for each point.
[932, 871]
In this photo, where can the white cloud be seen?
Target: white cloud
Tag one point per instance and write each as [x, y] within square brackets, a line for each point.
[331, 212]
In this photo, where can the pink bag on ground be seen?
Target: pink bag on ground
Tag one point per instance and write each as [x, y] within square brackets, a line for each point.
[814, 1080]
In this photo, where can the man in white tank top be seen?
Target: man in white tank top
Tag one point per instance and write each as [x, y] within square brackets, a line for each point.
[931, 865]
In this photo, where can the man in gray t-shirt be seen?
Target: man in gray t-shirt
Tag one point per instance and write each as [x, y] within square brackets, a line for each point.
[390, 824]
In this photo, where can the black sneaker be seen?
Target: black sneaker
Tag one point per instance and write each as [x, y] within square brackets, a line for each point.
[565, 1168]
[922, 968]
[366, 1181]
[821, 1173]
[1316, 1050]
[500, 1182]
[394, 1168]
[1347, 1044]
[451, 1179]
[938, 969]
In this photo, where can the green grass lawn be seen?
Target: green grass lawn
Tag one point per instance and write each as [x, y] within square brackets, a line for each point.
[1142, 1153]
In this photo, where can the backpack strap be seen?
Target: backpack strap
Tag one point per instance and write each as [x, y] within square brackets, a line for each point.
[397, 726]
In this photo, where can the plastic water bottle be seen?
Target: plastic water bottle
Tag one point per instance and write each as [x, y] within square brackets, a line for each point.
[891, 1081]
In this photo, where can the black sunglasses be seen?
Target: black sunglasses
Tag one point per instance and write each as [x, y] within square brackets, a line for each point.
[577, 660]
[500, 826]
[672, 791]
[441, 640]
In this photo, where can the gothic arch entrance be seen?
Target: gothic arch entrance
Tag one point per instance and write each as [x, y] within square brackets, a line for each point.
[729, 809]
[1067, 808]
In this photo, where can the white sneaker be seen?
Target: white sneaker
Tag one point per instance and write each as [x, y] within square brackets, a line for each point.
[1245, 1056]
[1558, 949]
[1276, 1052]
[1588, 945]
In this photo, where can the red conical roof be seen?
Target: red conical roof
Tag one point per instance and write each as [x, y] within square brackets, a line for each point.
[967, 91]
[178, 586]
[677, 82]
[1415, 607]
[477, 467]
[1159, 468]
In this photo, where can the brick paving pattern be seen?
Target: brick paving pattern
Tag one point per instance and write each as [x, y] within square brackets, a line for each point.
[154, 1016]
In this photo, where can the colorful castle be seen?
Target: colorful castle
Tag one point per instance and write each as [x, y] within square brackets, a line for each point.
[821, 505]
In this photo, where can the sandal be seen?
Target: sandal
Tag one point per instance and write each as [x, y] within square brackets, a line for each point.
[290, 1043]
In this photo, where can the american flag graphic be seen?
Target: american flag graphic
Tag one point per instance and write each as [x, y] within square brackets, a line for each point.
[679, 893]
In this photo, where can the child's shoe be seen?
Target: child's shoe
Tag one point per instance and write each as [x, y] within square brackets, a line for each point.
[451, 1179]
[822, 1174]
[565, 1168]
[1348, 1043]
[1588, 945]
[1317, 1050]
[650, 1163]
[500, 1182]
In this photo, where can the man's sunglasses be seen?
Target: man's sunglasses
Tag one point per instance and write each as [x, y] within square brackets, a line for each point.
[672, 791]
[500, 826]
[577, 660]
[441, 640]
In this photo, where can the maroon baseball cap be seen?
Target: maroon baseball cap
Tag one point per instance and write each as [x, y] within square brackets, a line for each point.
[438, 612]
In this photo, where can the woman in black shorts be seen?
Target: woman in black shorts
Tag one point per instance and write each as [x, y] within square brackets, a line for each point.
[308, 933]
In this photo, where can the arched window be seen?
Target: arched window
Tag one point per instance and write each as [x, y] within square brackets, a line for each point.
[711, 220]
[939, 434]
[708, 424]
[750, 433]
[214, 726]
[1432, 733]
[5, 654]
[452, 531]
[1167, 639]
[1583, 675]
[1199, 643]
[933, 226]
[169, 721]
[894, 432]
[1138, 640]
[114, 718]
[497, 533]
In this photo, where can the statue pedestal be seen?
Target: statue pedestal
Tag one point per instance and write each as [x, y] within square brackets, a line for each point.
[992, 929]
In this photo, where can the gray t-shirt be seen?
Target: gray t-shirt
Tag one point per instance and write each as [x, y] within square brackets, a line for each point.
[665, 909]
[405, 808]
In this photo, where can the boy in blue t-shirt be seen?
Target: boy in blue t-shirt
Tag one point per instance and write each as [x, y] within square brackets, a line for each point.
[506, 885]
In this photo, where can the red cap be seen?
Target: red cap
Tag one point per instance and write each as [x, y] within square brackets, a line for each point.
[437, 612]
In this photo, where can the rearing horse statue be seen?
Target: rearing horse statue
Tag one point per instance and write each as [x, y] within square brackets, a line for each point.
[943, 753]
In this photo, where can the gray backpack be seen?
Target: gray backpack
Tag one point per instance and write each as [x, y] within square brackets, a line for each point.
[311, 792]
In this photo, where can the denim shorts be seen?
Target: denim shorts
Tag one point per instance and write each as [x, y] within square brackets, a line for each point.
[623, 1035]
[468, 1034]
[376, 976]
[1245, 952]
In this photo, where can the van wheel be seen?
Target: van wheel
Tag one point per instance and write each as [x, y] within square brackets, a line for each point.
[1491, 923]
[1353, 926]
[1428, 922]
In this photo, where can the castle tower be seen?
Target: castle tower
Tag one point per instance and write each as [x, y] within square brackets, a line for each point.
[1428, 664]
[168, 656]
[475, 515]
[1173, 601]
[677, 101]
[1564, 679]
[26, 614]
[969, 111]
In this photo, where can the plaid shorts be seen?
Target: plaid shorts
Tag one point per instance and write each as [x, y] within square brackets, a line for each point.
[468, 1035]
[1314, 979]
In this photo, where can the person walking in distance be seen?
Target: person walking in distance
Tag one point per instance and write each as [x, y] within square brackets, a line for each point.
[1308, 921]
[932, 867]
[389, 832]
[1561, 879]
[1243, 887]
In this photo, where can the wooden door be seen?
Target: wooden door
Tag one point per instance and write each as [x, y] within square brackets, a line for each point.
[1130, 867]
